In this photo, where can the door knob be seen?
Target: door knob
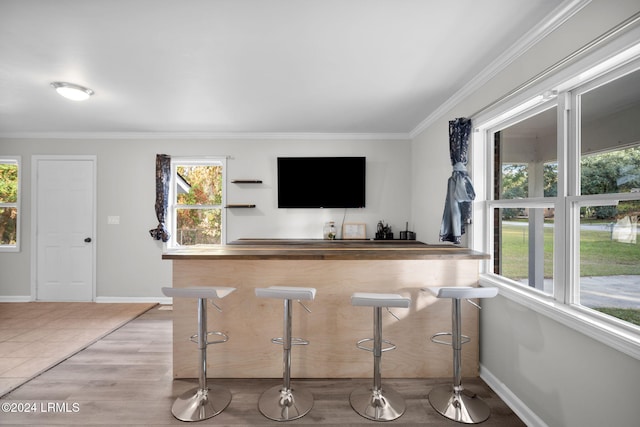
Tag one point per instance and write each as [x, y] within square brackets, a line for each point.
[88, 240]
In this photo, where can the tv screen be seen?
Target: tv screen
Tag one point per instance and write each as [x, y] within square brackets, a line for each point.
[321, 182]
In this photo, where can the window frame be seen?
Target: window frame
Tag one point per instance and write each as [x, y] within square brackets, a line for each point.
[173, 206]
[17, 160]
[563, 305]
[574, 199]
[528, 202]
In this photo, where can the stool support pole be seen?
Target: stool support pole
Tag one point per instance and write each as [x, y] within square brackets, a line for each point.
[205, 401]
[286, 344]
[202, 342]
[456, 343]
[282, 403]
[377, 348]
[374, 403]
[453, 401]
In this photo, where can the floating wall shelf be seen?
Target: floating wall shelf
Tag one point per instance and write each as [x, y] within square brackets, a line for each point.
[244, 181]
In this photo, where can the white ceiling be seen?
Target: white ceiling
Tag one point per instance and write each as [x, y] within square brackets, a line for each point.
[247, 66]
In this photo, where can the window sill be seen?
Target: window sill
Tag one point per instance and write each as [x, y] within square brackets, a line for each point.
[618, 337]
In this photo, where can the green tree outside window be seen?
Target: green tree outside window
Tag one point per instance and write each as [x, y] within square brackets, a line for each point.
[8, 203]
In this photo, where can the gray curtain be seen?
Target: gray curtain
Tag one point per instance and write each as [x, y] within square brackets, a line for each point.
[460, 192]
[163, 176]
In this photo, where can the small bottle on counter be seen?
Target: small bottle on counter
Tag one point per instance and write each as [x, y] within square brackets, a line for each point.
[329, 231]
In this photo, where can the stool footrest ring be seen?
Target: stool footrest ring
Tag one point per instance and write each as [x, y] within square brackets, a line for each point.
[392, 346]
[434, 338]
[294, 341]
[225, 338]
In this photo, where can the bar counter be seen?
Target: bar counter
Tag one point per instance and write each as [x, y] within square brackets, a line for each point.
[270, 249]
[336, 269]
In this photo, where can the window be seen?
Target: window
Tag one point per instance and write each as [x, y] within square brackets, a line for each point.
[9, 204]
[525, 188]
[562, 200]
[607, 204]
[196, 204]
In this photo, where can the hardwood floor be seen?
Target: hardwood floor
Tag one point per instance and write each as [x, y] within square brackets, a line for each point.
[126, 379]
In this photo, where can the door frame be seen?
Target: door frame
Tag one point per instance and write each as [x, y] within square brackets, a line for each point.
[34, 218]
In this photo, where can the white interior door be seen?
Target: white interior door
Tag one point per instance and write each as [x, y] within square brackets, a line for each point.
[64, 218]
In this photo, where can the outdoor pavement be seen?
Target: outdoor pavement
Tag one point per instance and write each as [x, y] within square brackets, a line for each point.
[605, 291]
[610, 291]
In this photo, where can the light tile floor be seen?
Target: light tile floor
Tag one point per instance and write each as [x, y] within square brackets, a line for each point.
[37, 335]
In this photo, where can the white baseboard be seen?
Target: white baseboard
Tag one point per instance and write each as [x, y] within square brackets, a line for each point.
[159, 300]
[508, 397]
[10, 298]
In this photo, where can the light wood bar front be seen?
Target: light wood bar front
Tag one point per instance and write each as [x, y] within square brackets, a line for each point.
[336, 269]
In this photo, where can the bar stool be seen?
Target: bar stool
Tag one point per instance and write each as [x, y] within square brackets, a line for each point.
[375, 403]
[453, 401]
[204, 401]
[281, 402]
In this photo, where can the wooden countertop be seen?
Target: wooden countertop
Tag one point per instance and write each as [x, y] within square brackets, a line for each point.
[293, 249]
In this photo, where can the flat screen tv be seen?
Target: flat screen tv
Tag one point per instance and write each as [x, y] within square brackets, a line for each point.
[321, 182]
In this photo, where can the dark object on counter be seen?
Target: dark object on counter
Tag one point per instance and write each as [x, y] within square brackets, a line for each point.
[384, 232]
[407, 235]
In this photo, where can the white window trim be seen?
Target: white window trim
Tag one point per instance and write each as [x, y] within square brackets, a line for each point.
[612, 332]
[171, 208]
[17, 204]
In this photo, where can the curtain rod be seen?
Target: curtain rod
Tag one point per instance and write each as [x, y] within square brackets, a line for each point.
[623, 26]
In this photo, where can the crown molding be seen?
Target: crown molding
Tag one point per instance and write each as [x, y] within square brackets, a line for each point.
[402, 136]
[551, 22]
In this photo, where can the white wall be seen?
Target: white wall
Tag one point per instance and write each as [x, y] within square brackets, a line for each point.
[559, 374]
[563, 376]
[387, 197]
[129, 262]
[430, 170]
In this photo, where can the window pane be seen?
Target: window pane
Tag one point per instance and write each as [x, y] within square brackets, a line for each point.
[199, 185]
[526, 158]
[523, 246]
[610, 114]
[8, 226]
[611, 172]
[198, 227]
[8, 183]
[610, 260]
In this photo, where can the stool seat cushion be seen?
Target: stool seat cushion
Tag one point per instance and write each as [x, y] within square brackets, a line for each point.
[198, 292]
[462, 292]
[379, 300]
[286, 292]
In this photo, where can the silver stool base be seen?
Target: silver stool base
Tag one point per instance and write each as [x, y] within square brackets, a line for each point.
[280, 404]
[197, 404]
[377, 405]
[461, 406]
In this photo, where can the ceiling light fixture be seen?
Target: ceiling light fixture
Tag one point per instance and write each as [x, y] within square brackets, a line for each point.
[72, 91]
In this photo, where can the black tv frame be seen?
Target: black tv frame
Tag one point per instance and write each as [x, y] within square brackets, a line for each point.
[321, 182]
